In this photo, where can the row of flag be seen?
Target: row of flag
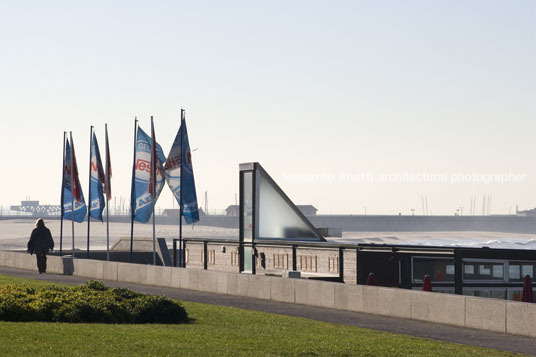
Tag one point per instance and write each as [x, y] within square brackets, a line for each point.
[99, 182]
[176, 170]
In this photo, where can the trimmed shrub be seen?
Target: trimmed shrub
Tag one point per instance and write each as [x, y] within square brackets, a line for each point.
[91, 302]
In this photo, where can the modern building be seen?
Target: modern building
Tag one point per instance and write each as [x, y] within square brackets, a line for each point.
[275, 237]
[484, 272]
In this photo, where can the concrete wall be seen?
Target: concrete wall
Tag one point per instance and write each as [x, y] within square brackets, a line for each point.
[487, 314]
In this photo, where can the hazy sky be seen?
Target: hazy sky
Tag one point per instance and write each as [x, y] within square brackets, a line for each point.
[310, 89]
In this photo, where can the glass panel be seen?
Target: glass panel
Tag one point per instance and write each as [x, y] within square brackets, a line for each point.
[469, 269]
[439, 270]
[518, 270]
[498, 271]
[247, 194]
[514, 272]
[492, 294]
[498, 294]
[516, 295]
[277, 218]
[444, 291]
[483, 271]
[527, 269]
[248, 260]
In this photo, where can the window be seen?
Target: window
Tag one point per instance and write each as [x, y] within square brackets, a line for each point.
[518, 270]
[486, 293]
[439, 270]
[483, 271]
[516, 294]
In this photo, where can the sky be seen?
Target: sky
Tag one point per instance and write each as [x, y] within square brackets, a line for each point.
[352, 106]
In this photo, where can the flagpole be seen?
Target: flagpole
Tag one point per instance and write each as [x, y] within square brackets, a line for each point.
[62, 183]
[89, 203]
[181, 206]
[72, 190]
[107, 195]
[153, 179]
[132, 195]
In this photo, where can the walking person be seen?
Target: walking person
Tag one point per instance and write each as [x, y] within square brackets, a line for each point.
[40, 243]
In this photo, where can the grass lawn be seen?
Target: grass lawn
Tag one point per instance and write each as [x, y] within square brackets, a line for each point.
[216, 330]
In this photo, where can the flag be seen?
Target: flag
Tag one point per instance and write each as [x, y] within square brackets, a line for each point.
[143, 199]
[108, 176]
[154, 159]
[69, 187]
[182, 161]
[96, 198]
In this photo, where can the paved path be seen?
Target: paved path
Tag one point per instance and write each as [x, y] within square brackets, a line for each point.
[459, 335]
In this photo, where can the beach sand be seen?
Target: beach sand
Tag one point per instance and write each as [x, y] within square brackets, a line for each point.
[14, 233]
[448, 239]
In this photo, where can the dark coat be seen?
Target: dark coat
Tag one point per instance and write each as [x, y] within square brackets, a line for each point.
[40, 241]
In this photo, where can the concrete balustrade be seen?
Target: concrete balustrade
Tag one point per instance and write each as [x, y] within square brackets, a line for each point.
[282, 289]
[387, 301]
[486, 314]
[89, 268]
[521, 318]
[349, 297]
[321, 293]
[110, 270]
[442, 308]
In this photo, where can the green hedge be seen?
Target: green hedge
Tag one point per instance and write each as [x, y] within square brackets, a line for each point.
[92, 302]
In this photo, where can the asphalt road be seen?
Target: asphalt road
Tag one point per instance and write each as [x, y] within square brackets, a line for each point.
[440, 332]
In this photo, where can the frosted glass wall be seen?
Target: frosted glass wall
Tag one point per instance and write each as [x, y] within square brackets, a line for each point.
[277, 219]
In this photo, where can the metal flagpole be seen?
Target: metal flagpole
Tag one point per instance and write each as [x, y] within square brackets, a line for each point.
[153, 185]
[89, 201]
[181, 205]
[72, 190]
[62, 183]
[107, 194]
[132, 194]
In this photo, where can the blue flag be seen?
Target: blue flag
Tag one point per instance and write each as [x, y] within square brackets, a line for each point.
[142, 196]
[180, 163]
[96, 195]
[71, 184]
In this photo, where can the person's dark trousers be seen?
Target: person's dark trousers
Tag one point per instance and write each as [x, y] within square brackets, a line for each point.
[41, 262]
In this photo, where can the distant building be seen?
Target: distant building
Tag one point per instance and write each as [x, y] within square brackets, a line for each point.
[307, 210]
[527, 213]
[168, 212]
[36, 209]
[232, 210]
[29, 203]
